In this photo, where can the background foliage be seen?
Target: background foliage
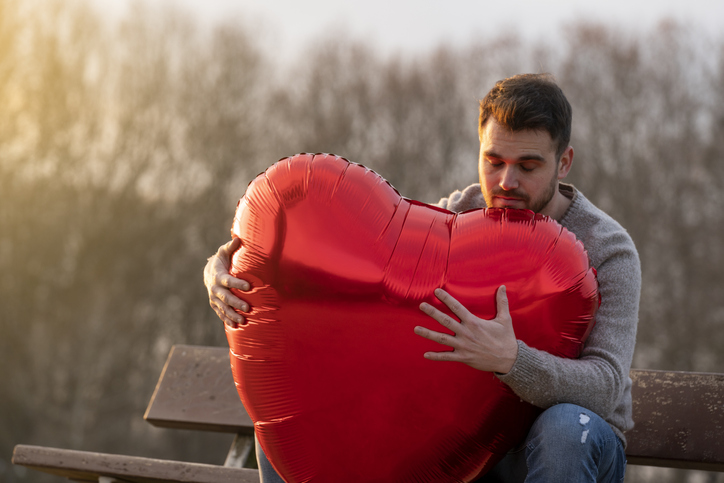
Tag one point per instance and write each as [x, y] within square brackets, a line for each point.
[125, 145]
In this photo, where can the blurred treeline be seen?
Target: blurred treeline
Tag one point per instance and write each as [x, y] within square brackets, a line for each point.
[125, 144]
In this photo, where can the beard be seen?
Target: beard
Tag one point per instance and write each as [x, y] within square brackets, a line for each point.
[536, 205]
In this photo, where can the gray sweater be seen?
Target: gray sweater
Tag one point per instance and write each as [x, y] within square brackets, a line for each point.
[599, 379]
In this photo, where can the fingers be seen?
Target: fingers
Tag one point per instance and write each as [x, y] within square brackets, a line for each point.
[439, 337]
[227, 315]
[224, 302]
[228, 298]
[501, 299]
[216, 271]
[443, 356]
[220, 266]
[226, 280]
[456, 307]
[218, 283]
[444, 320]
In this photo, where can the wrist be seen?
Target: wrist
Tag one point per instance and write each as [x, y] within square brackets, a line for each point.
[509, 361]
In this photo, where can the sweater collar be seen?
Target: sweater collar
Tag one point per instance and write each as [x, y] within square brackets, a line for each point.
[570, 192]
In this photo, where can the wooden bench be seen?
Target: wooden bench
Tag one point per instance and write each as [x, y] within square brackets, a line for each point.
[679, 424]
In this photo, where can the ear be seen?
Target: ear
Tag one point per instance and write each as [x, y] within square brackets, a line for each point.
[565, 163]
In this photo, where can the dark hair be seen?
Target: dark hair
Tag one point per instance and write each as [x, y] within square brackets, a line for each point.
[529, 101]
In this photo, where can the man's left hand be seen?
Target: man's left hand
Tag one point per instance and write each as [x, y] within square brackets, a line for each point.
[486, 345]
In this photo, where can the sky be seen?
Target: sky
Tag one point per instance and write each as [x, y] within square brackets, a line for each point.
[418, 25]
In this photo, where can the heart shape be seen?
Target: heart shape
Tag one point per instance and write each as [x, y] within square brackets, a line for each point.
[328, 366]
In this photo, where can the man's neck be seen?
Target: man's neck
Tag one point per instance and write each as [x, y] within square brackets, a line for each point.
[557, 206]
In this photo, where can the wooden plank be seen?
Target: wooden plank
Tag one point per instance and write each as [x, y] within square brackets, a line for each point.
[88, 466]
[196, 391]
[679, 420]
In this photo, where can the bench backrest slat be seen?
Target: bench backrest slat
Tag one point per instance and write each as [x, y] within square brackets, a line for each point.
[196, 391]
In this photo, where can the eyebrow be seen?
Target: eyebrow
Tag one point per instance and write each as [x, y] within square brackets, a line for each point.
[525, 157]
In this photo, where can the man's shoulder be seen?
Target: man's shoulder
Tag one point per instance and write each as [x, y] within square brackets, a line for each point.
[468, 199]
[602, 235]
[588, 219]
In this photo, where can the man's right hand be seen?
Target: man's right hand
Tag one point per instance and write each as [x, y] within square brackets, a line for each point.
[218, 282]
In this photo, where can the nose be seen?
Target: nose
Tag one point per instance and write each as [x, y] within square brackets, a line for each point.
[508, 179]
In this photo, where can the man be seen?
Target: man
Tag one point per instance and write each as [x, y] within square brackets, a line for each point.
[524, 130]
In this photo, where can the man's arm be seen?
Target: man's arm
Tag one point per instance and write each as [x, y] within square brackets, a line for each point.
[599, 378]
[596, 380]
[218, 282]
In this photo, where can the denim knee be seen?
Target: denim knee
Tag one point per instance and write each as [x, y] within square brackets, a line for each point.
[567, 438]
[569, 424]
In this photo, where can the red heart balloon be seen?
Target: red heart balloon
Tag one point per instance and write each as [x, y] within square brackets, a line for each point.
[328, 366]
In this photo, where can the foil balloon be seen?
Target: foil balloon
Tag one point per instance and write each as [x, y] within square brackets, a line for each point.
[327, 364]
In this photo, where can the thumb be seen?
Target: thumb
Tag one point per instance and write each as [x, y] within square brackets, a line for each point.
[226, 250]
[223, 255]
[233, 244]
[501, 298]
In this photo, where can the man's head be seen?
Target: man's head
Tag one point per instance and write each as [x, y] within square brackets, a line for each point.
[525, 128]
[529, 102]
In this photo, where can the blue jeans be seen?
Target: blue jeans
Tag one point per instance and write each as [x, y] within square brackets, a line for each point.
[567, 443]
[267, 472]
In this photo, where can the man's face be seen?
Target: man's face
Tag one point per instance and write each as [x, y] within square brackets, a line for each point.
[520, 169]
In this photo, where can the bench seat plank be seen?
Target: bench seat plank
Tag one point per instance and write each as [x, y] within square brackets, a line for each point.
[196, 391]
[88, 466]
[679, 420]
